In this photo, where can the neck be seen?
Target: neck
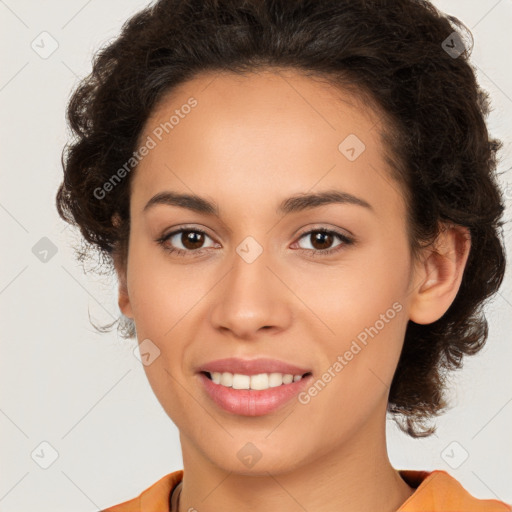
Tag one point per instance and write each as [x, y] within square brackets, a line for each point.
[355, 476]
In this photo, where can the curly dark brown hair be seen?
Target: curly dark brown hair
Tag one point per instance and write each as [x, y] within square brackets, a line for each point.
[404, 57]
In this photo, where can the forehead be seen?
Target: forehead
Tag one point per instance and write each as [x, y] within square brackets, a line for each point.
[263, 132]
[264, 99]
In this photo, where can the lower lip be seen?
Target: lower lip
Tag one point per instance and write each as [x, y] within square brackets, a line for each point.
[250, 402]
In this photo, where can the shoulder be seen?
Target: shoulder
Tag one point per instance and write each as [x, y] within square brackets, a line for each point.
[438, 491]
[154, 498]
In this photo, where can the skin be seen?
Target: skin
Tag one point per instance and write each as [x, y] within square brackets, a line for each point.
[251, 142]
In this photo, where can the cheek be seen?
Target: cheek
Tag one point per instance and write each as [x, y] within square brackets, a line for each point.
[159, 292]
[354, 294]
[364, 306]
[361, 360]
[160, 300]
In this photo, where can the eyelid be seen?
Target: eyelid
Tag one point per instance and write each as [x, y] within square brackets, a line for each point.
[326, 227]
[319, 227]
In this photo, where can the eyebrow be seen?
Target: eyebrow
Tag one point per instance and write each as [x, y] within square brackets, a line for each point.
[293, 204]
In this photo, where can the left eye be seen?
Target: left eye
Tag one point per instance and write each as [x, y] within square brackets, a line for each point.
[325, 237]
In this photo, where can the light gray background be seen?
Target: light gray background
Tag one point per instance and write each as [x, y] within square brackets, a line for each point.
[86, 394]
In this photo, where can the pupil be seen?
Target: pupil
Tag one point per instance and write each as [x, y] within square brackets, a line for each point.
[319, 236]
[189, 239]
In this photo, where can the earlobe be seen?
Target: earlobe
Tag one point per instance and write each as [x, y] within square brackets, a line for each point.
[439, 275]
[123, 299]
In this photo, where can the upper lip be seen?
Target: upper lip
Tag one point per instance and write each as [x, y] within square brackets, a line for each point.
[252, 366]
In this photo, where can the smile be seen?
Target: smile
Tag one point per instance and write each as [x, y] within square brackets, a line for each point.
[258, 382]
[252, 395]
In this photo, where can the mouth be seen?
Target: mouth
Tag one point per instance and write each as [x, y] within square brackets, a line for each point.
[252, 395]
[259, 382]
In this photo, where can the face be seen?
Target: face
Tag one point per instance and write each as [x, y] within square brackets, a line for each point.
[259, 278]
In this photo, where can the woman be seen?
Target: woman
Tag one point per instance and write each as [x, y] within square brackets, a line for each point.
[300, 204]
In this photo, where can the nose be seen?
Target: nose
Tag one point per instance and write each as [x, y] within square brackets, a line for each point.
[252, 298]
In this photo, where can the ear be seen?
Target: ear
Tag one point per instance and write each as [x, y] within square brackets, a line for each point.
[439, 274]
[123, 299]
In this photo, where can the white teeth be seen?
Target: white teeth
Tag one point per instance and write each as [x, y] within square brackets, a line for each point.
[241, 381]
[226, 379]
[257, 382]
[275, 379]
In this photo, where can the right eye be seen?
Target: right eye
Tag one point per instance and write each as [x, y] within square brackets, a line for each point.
[188, 238]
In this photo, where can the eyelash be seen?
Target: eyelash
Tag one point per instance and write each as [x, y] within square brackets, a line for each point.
[162, 241]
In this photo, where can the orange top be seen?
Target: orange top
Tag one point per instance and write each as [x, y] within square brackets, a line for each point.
[436, 491]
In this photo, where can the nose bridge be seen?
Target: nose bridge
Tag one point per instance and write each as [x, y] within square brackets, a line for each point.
[249, 297]
[250, 275]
